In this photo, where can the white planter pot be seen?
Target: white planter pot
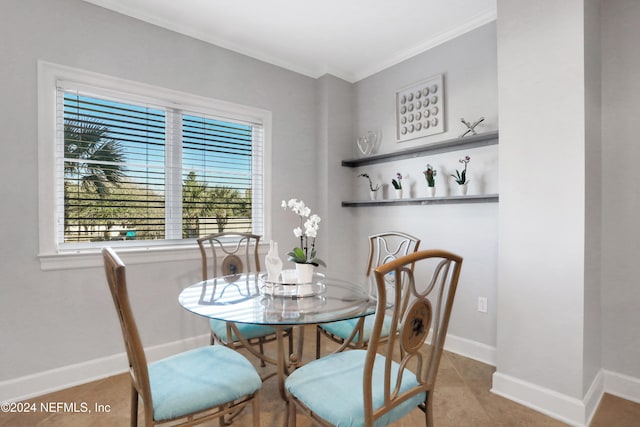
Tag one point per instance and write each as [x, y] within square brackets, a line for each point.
[373, 195]
[463, 189]
[399, 193]
[305, 272]
[432, 191]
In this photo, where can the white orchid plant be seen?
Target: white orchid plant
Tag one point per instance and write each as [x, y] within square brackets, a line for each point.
[461, 178]
[307, 232]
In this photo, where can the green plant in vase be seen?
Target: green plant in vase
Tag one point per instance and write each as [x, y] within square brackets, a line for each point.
[461, 177]
[397, 184]
[430, 175]
[373, 189]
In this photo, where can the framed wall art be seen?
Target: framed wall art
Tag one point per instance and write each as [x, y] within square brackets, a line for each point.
[420, 109]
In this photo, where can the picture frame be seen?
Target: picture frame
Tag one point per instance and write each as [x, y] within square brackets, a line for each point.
[420, 109]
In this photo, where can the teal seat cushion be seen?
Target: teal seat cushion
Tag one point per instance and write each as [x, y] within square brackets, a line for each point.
[247, 330]
[199, 379]
[343, 328]
[332, 388]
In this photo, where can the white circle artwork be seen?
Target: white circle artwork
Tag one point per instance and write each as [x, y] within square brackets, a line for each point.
[424, 99]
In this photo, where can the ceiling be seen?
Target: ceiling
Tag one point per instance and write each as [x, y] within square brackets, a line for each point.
[351, 39]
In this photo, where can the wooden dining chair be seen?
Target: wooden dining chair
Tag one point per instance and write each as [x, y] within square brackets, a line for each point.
[231, 253]
[188, 388]
[372, 387]
[355, 333]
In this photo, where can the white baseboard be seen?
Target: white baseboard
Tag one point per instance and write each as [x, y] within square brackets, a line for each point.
[565, 408]
[593, 396]
[621, 385]
[57, 379]
[472, 349]
[549, 402]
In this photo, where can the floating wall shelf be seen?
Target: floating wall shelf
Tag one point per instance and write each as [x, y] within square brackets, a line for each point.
[482, 198]
[489, 138]
[481, 140]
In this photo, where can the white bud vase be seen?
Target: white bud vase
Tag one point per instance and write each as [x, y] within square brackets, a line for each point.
[272, 262]
[373, 195]
[305, 272]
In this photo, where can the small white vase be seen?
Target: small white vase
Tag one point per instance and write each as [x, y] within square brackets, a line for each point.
[463, 189]
[398, 193]
[432, 191]
[305, 272]
[373, 195]
[272, 262]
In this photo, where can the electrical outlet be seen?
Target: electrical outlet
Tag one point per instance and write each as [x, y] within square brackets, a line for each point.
[482, 304]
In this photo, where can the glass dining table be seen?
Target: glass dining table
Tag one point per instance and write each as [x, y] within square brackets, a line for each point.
[251, 298]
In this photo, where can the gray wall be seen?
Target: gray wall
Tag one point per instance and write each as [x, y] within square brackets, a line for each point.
[542, 223]
[469, 66]
[335, 132]
[57, 318]
[621, 196]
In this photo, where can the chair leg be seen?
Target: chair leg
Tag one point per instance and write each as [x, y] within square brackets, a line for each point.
[291, 414]
[261, 344]
[291, 341]
[134, 406]
[428, 413]
[256, 409]
[317, 342]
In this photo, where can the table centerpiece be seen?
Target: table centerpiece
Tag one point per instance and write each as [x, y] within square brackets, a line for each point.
[304, 256]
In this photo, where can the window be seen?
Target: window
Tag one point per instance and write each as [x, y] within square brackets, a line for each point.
[140, 171]
[143, 172]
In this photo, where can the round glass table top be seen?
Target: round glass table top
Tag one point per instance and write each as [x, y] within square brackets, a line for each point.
[243, 298]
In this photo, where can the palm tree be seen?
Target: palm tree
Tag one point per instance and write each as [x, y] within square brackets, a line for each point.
[97, 158]
[194, 205]
[225, 202]
[94, 162]
[199, 201]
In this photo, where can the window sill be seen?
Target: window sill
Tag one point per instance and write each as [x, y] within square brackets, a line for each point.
[91, 258]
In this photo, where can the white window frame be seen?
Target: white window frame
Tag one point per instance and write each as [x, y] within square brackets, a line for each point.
[51, 256]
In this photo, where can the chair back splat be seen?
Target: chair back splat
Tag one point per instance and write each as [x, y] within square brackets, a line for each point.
[354, 333]
[419, 310]
[388, 246]
[229, 253]
[385, 382]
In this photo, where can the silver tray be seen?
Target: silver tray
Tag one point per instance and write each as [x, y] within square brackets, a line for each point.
[289, 288]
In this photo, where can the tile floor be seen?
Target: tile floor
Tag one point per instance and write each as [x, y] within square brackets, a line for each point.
[462, 399]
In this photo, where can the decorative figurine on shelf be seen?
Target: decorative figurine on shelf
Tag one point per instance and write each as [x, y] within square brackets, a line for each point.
[397, 184]
[273, 262]
[367, 144]
[430, 175]
[471, 128]
[373, 190]
[461, 177]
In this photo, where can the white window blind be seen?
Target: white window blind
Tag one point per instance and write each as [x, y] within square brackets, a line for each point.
[135, 170]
